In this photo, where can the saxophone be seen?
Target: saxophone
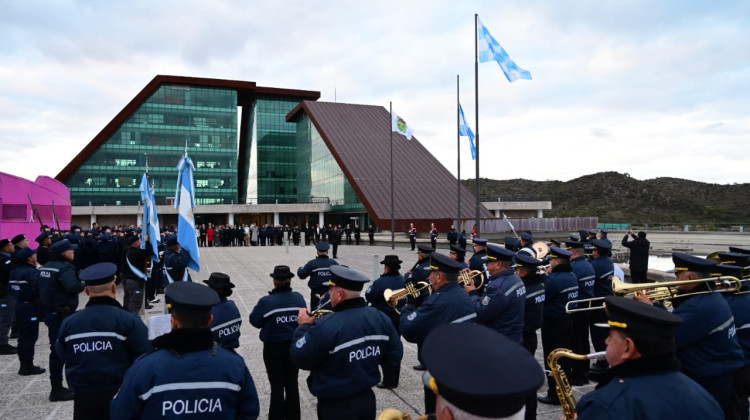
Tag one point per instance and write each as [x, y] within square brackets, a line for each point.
[564, 391]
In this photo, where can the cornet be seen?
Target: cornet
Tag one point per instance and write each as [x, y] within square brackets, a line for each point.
[466, 277]
[393, 296]
[319, 311]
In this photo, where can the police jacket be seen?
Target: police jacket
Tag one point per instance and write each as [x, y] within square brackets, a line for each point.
[187, 374]
[604, 269]
[452, 236]
[638, 252]
[317, 270]
[59, 286]
[462, 240]
[24, 283]
[740, 306]
[226, 324]
[276, 315]
[344, 349]
[175, 265]
[502, 305]
[374, 293]
[706, 341]
[134, 266]
[478, 261]
[586, 275]
[420, 273]
[535, 297]
[433, 234]
[560, 286]
[99, 343]
[6, 266]
[649, 388]
[42, 255]
[447, 305]
[413, 233]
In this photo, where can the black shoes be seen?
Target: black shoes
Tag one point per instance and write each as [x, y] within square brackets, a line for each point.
[61, 394]
[31, 370]
[546, 399]
[382, 385]
[579, 381]
[419, 367]
[8, 349]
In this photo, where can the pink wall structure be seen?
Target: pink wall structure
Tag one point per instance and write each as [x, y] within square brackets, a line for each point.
[15, 209]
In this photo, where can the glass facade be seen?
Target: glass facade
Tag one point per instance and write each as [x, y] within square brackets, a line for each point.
[205, 117]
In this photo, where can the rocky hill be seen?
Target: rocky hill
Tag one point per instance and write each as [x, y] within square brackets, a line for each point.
[619, 198]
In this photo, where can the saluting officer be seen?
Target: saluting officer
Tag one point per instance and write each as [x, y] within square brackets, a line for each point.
[276, 316]
[99, 343]
[58, 291]
[227, 319]
[560, 286]
[24, 286]
[176, 261]
[343, 350]
[604, 270]
[579, 342]
[188, 373]
[503, 303]
[644, 379]
[318, 271]
[447, 303]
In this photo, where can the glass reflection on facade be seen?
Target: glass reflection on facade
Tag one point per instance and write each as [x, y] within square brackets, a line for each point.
[204, 117]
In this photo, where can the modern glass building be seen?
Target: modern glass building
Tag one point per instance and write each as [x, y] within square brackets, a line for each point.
[263, 155]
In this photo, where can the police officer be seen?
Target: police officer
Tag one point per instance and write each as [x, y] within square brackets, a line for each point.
[334, 237]
[7, 301]
[58, 291]
[447, 303]
[134, 270]
[25, 289]
[176, 261]
[560, 286]
[526, 244]
[227, 318]
[412, 236]
[371, 234]
[42, 253]
[503, 303]
[527, 268]
[348, 232]
[318, 271]
[20, 242]
[497, 390]
[343, 350]
[188, 373]
[452, 235]
[603, 271]
[639, 249]
[479, 259]
[390, 279]
[99, 343]
[644, 381]
[276, 316]
[462, 239]
[459, 254]
[579, 343]
[419, 273]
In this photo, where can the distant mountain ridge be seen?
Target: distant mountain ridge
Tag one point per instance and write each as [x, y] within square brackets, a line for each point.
[619, 198]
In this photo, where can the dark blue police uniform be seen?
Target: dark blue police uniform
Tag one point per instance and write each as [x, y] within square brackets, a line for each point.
[24, 287]
[188, 375]
[276, 316]
[226, 324]
[604, 270]
[318, 271]
[579, 342]
[534, 308]
[374, 295]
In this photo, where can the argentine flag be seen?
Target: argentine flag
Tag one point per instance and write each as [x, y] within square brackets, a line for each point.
[150, 219]
[185, 202]
[465, 131]
[490, 49]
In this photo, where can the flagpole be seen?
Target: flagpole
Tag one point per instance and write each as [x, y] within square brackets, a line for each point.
[476, 123]
[393, 220]
[458, 147]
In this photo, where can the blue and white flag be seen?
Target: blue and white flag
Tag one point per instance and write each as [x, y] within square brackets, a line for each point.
[150, 219]
[184, 200]
[513, 229]
[490, 49]
[465, 131]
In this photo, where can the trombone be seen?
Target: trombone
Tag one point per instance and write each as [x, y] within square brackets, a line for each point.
[657, 291]
[466, 277]
[393, 296]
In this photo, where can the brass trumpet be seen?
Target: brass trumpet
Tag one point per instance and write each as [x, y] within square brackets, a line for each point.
[466, 277]
[396, 414]
[657, 291]
[393, 296]
[319, 311]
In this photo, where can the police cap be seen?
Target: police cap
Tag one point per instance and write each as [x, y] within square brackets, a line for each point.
[525, 260]
[444, 263]
[100, 273]
[556, 252]
[574, 245]
[322, 246]
[18, 239]
[729, 270]
[734, 258]
[499, 389]
[510, 242]
[346, 278]
[498, 253]
[24, 254]
[745, 251]
[455, 249]
[555, 242]
[685, 262]
[61, 246]
[132, 239]
[425, 249]
[185, 295]
[42, 237]
[604, 231]
[600, 244]
[574, 236]
[479, 241]
[632, 315]
[4, 243]
[526, 236]
[170, 241]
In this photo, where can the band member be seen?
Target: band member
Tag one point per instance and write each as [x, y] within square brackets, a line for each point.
[390, 279]
[604, 270]
[527, 245]
[579, 343]
[644, 380]
[343, 350]
[478, 260]
[227, 320]
[459, 254]
[318, 271]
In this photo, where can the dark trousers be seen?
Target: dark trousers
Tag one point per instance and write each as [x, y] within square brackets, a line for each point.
[7, 313]
[92, 405]
[530, 341]
[638, 276]
[372, 240]
[579, 344]
[315, 295]
[723, 394]
[282, 375]
[53, 320]
[413, 242]
[598, 335]
[555, 334]
[27, 318]
[133, 294]
[741, 391]
[359, 406]
[335, 247]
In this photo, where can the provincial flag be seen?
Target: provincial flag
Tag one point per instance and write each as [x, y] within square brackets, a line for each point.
[150, 219]
[185, 202]
[465, 131]
[399, 125]
[490, 49]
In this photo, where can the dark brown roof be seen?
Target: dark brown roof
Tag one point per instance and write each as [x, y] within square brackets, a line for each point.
[246, 92]
[359, 137]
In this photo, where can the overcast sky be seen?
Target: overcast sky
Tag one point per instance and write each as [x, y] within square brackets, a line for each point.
[650, 88]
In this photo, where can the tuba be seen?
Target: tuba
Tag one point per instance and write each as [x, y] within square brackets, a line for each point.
[393, 296]
[564, 391]
[541, 248]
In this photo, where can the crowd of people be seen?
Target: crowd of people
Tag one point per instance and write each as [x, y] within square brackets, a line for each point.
[274, 235]
[692, 359]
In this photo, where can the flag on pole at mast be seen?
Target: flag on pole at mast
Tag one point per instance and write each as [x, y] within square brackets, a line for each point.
[150, 219]
[399, 125]
[490, 49]
[465, 131]
[185, 202]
